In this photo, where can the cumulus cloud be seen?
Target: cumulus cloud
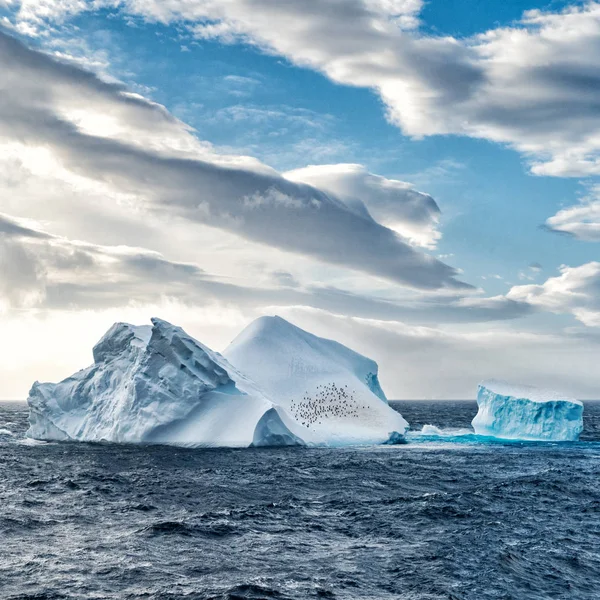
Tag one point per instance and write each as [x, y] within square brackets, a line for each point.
[532, 85]
[100, 131]
[575, 291]
[582, 220]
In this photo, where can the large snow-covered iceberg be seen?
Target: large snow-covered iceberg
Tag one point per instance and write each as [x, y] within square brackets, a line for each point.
[526, 413]
[157, 385]
[331, 391]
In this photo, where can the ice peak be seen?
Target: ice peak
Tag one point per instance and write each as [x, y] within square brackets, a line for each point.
[294, 339]
[166, 329]
[332, 391]
[272, 325]
[120, 338]
[160, 322]
[273, 338]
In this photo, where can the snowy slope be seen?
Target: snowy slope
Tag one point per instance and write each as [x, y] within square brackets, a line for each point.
[157, 385]
[331, 391]
[526, 413]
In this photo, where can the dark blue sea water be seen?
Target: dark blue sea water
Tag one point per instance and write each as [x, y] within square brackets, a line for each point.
[437, 518]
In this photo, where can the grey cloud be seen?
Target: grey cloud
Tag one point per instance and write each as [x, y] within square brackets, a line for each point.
[10, 228]
[312, 223]
[557, 231]
[21, 274]
[285, 279]
[62, 85]
[446, 67]
[394, 203]
[420, 309]
[43, 270]
[53, 272]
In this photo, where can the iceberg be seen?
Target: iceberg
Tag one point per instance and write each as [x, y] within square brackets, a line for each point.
[526, 413]
[332, 392]
[157, 385]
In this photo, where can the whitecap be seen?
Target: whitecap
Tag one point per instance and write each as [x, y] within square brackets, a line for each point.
[31, 442]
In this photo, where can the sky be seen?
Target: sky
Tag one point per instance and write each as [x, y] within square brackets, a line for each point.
[417, 180]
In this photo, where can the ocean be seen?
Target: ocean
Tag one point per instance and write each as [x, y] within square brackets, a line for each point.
[443, 516]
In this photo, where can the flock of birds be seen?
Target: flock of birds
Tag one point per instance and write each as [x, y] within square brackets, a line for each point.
[330, 401]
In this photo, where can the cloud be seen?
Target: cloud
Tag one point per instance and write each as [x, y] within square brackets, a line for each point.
[395, 204]
[40, 270]
[576, 291]
[276, 116]
[42, 11]
[285, 279]
[50, 272]
[582, 220]
[531, 273]
[99, 131]
[532, 85]
[420, 309]
[21, 272]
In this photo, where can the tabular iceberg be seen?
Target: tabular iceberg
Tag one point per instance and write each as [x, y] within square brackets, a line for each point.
[526, 413]
[332, 392]
[157, 385]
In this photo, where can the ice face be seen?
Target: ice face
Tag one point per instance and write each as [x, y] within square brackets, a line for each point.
[331, 392]
[526, 413]
[153, 385]
[271, 431]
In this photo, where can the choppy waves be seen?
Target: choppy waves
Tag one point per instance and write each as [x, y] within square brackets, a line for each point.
[431, 519]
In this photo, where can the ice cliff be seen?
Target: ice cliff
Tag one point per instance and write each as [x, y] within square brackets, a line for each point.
[526, 413]
[332, 392]
[156, 384]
